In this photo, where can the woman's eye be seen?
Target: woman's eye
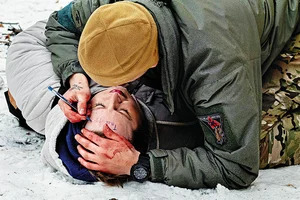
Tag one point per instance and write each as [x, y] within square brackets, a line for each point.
[99, 105]
[125, 112]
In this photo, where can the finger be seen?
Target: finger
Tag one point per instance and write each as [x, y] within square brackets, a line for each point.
[72, 116]
[87, 144]
[89, 156]
[93, 137]
[104, 146]
[114, 136]
[83, 98]
[81, 106]
[69, 113]
[89, 165]
[110, 133]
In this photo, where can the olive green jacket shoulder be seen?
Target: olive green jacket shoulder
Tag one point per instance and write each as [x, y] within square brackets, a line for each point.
[212, 57]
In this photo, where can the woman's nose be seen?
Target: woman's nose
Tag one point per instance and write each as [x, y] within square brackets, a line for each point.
[114, 101]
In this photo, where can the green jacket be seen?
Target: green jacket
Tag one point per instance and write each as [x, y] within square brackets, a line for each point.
[213, 55]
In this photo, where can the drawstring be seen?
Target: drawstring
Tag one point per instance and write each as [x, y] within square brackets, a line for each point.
[177, 123]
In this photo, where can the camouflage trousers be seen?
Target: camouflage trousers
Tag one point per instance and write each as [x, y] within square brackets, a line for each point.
[280, 131]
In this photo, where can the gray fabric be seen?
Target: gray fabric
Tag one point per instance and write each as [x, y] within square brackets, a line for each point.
[54, 124]
[29, 73]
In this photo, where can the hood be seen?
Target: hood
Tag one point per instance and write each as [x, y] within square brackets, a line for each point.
[169, 48]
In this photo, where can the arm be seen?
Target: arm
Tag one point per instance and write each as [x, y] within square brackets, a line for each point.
[230, 158]
[63, 31]
[222, 77]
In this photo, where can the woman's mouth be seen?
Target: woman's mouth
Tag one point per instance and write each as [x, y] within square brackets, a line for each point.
[118, 91]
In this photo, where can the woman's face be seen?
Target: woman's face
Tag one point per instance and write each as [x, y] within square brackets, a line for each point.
[117, 108]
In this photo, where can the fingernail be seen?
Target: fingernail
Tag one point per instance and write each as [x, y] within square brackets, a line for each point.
[81, 111]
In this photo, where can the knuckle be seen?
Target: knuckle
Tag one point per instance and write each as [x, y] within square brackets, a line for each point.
[87, 164]
[85, 155]
[86, 144]
[71, 119]
[83, 142]
[88, 134]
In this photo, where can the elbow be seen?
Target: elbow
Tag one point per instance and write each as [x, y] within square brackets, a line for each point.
[242, 177]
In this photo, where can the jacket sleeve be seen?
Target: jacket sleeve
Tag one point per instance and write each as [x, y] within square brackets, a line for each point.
[63, 31]
[222, 85]
[230, 120]
[54, 125]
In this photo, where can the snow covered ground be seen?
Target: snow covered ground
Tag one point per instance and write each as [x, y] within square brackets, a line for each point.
[23, 175]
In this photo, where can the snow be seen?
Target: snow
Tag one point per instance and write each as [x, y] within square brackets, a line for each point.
[24, 176]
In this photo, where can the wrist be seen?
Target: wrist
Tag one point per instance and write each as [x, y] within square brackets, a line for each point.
[79, 78]
[133, 161]
[141, 171]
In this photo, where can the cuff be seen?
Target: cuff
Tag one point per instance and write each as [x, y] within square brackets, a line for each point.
[157, 164]
[73, 68]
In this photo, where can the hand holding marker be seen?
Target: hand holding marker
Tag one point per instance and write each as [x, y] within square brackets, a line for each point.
[65, 100]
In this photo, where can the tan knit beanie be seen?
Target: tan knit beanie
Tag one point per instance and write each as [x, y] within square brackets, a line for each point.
[118, 44]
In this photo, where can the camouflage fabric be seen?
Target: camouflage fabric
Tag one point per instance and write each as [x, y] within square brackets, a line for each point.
[280, 132]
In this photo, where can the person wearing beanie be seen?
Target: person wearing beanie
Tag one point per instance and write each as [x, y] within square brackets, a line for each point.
[209, 59]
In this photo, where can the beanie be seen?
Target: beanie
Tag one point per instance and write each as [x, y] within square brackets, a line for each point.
[118, 44]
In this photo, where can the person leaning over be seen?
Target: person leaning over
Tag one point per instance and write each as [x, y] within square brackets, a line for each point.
[208, 56]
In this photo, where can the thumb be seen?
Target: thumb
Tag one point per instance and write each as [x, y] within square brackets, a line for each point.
[82, 104]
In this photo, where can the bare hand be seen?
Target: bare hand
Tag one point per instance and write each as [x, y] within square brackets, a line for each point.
[114, 154]
[79, 92]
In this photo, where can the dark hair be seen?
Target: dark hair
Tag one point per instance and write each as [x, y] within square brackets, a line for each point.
[140, 137]
[139, 141]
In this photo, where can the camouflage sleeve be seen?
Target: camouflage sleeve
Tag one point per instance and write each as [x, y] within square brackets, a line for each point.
[280, 132]
[63, 31]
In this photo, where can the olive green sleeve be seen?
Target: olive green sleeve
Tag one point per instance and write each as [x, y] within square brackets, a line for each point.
[230, 121]
[221, 83]
[63, 31]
